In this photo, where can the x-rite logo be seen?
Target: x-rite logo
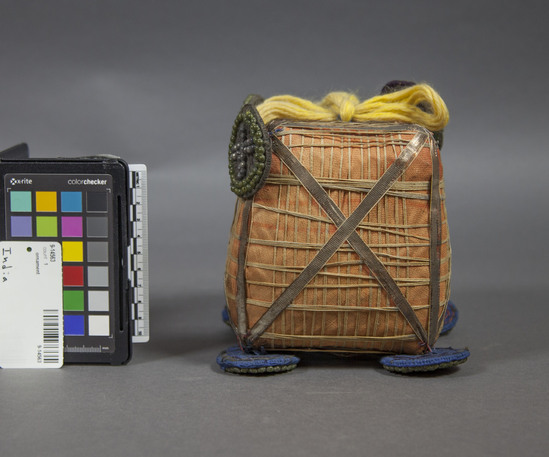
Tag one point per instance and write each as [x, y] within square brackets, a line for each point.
[14, 181]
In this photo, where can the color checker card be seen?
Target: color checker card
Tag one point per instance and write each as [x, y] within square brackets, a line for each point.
[87, 213]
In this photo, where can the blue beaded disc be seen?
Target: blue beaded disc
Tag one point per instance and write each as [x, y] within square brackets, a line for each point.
[450, 318]
[437, 359]
[235, 360]
[225, 316]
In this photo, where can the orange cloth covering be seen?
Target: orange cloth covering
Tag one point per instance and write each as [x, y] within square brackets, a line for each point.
[343, 308]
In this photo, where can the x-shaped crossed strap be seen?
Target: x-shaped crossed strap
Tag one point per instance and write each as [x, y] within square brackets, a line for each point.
[346, 231]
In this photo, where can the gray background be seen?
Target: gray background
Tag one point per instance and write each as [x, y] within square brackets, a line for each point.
[160, 83]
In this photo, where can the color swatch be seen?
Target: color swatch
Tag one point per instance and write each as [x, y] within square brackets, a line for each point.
[55, 207]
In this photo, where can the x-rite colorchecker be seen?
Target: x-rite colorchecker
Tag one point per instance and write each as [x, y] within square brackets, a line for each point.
[96, 208]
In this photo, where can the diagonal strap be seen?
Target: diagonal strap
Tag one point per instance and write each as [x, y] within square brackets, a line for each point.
[397, 168]
[357, 243]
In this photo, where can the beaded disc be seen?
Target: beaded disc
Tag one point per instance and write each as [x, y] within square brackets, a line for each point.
[450, 318]
[225, 316]
[249, 153]
[437, 359]
[235, 360]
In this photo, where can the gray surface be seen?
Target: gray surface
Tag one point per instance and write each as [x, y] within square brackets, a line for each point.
[160, 83]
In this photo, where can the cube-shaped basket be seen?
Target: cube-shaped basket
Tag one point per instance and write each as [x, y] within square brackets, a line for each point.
[340, 239]
[397, 251]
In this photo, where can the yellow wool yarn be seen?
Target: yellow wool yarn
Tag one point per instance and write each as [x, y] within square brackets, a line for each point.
[400, 106]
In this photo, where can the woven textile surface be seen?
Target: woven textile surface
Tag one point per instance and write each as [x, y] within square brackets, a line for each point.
[343, 308]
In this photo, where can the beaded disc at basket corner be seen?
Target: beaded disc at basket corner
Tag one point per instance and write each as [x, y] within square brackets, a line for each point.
[236, 360]
[439, 358]
[249, 153]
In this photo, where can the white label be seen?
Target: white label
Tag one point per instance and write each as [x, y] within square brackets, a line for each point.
[31, 304]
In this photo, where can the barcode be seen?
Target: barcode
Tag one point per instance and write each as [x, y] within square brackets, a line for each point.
[51, 348]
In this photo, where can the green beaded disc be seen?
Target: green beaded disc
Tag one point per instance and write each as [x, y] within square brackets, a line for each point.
[249, 153]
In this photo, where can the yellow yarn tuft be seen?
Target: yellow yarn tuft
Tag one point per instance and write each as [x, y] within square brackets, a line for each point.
[400, 106]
